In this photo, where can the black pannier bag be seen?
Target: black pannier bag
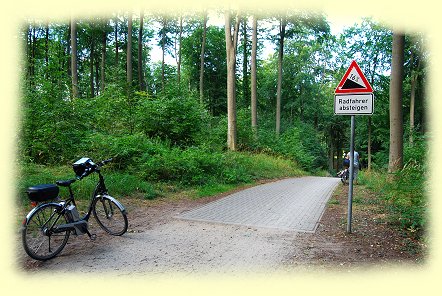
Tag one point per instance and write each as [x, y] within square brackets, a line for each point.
[43, 192]
[83, 165]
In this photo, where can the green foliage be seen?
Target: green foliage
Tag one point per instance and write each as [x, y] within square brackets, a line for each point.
[215, 66]
[126, 150]
[300, 143]
[200, 166]
[50, 129]
[405, 192]
[303, 145]
[179, 120]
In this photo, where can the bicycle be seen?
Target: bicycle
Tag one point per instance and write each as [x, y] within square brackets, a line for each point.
[47, 227]
[344, 175]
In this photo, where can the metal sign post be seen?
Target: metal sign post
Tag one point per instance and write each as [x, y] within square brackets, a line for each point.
[353, 96]
[350, 186]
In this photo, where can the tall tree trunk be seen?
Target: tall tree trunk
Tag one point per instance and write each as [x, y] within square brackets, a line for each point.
[33, 50]
[68, 52]
[163, 49]
[47, 51]
[140, 54]
[91, 62]
[396, 120]
[116, 41]
[231, 44]
[29, 52]
[74, 69]
[179, 53]
[129, 56]
[203, 48]
[103, 57]
[129, 71]
[245, 80]
[97, 74]
[414, 77]
[279, 86]
[253, 103]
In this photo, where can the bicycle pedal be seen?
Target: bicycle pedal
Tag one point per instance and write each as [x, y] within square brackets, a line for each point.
[93, 237]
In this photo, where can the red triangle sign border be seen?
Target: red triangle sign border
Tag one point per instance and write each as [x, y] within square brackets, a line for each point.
[366, 89]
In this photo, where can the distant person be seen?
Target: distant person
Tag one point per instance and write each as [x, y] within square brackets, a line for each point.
[346, 162]
[355, 165]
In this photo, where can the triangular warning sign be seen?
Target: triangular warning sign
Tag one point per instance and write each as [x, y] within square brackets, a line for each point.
[353, 81]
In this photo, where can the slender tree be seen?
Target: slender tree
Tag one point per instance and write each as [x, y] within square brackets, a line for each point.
[47, 50]
[396, 120]
[129, 56]
[74, 69]
[140, 54]
[203, 48]
[253, 102]
[116, 41]
[282, 25]
[231, 45]
[178, 55]
[91, 62]
[245, 76]
[103, 56]
[414, 80]
[163, 49]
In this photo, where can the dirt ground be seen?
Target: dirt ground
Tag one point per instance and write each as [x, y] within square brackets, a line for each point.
[157, 242]
[374, 241]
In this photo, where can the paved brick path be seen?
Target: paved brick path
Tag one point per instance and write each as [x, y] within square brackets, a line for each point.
[292, 204]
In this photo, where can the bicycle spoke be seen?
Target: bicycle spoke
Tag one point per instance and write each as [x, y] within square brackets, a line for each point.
[110, 217]
[43, 245]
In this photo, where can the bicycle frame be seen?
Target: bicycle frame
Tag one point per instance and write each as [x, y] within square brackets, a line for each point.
[81, 224]
[61, 218]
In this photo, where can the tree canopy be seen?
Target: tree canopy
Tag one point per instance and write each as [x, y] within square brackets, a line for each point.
[75, 85]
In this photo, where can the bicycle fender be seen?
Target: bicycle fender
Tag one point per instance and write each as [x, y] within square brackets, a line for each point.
[28, 216]
[119, 205]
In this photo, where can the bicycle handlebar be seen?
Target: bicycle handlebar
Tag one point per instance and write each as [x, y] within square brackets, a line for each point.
[103, 162]
[93, 168]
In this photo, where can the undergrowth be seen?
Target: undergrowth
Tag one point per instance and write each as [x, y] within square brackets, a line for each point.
[207, 173]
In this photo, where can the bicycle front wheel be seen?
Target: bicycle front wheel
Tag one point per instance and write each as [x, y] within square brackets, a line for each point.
[110, 215]
[39, 241]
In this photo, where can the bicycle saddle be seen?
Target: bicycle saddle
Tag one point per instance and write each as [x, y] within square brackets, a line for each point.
[65, 183]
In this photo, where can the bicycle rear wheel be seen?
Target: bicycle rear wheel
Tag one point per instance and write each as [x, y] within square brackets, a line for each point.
[38, 240]
[110, 216]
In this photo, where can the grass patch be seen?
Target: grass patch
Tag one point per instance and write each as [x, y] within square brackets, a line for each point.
[403, 195]
[181, 171]
[119, 184]
[333, 201]
[213, 189]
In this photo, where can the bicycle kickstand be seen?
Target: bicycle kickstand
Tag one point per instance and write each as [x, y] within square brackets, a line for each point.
[92, 237]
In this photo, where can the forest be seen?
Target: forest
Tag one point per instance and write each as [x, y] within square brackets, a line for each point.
[225, 111]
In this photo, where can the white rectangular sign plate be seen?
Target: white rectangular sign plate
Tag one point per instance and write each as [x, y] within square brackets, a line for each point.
[354, 104]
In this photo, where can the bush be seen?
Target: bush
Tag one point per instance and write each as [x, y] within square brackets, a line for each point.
[200, 166]
[179, 120]
[50, 130]
[405, 191]
[302, 144]
[127, 150]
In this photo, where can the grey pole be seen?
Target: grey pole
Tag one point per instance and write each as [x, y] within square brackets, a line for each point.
[350, 188]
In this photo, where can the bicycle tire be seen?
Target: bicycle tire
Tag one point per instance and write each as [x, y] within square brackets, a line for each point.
[37, 244]
[110, 216]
